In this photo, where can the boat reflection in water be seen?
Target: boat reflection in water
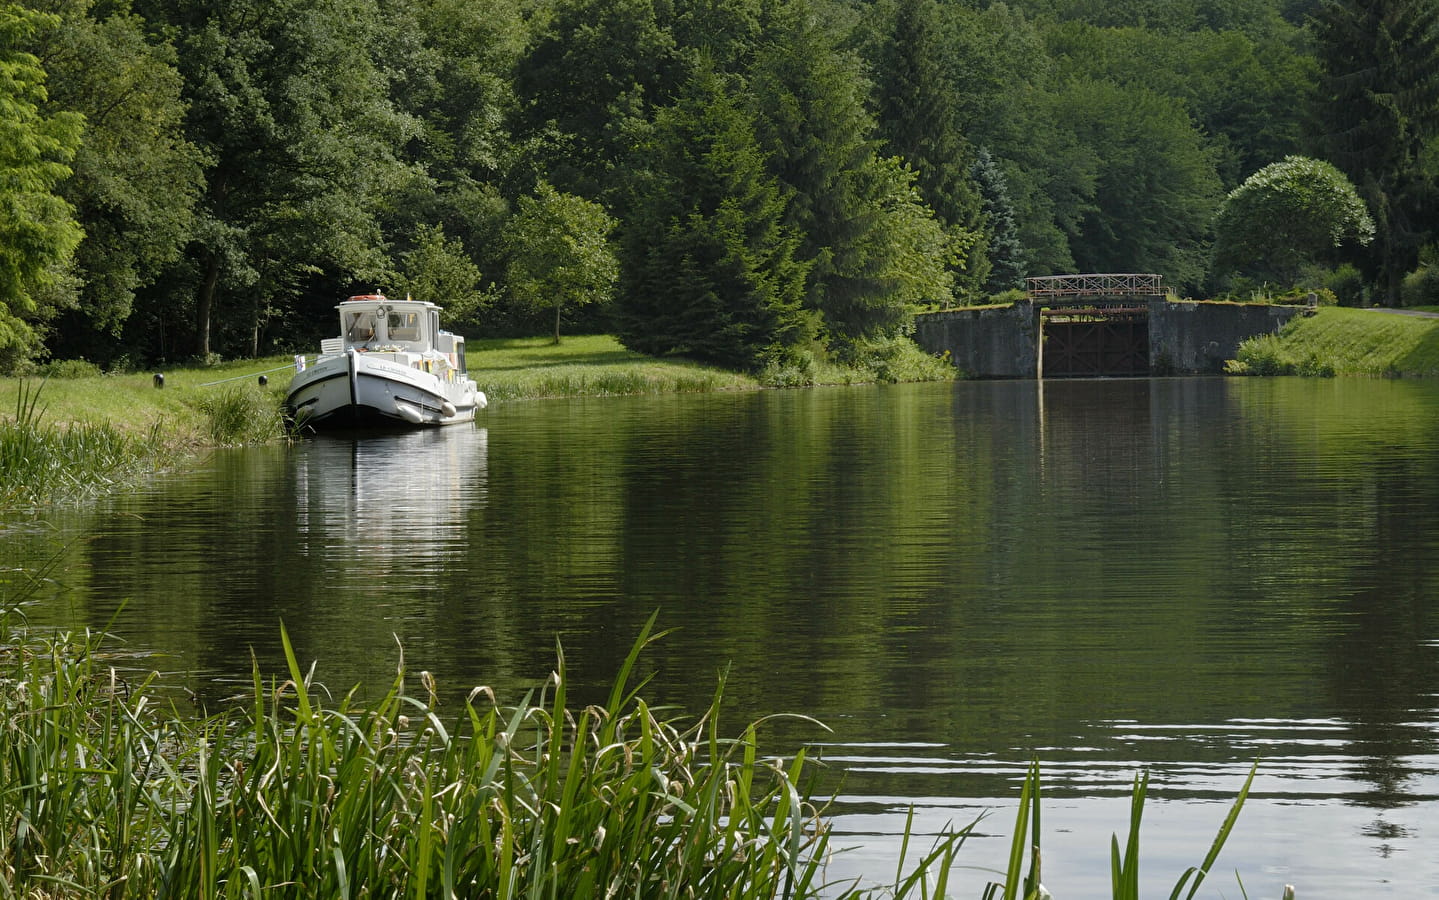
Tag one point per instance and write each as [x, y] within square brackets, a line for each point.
[368, 509]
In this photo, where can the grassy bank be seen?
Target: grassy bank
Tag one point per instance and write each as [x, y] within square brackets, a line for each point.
[84, 431]
[66, 438]
[587, 366]
[1339, 341]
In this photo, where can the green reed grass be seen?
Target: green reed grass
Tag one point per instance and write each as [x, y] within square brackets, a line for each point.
[1124, 863]
[243, 414]
[105, 793]
[40, 461]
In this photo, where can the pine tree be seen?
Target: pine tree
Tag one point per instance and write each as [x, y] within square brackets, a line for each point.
[1008, 264]
[1379, 104]
[918, 122]
[708, 268]
[818, 136]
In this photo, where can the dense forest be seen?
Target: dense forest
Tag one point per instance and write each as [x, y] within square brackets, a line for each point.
[741, 181]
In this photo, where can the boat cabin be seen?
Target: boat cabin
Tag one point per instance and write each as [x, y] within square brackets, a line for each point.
[405, 330]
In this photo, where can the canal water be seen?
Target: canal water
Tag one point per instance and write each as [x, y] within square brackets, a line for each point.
[1173, 576]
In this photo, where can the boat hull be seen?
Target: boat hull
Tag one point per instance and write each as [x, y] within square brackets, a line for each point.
[359, 390]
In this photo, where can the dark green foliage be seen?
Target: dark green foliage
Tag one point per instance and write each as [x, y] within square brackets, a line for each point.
[1378, 102]
[247, 162]
[708, 267]
[1421, 287]
[1006, 254]
[918, 122]
[136, 177]
[809, 99]
[1008, 104]
[292, 112]
[451, 69]
[1156, 190]
[1346, 283]
[588, 89]
[1243, 89]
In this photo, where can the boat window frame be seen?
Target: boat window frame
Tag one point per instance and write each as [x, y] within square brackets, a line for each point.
[359, 318]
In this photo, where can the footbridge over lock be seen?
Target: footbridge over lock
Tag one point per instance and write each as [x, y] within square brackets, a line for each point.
[1096, 325]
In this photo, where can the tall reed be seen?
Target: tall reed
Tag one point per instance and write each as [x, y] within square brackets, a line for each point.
[103, 792]
[243, 414]
[1124, 864]
[39, 461]
[107, 791]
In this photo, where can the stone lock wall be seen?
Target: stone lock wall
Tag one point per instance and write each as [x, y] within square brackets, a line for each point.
[1185, 338]
[1190, 337]
[984, 342]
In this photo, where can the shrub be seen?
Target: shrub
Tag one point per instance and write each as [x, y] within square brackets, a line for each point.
[788, 368]
[1420, 287]
[1348, 286]
[1011, 296]
[1265, 355]
[68, 368]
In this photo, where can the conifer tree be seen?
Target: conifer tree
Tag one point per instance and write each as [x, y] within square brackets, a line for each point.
[708, 267]
[918, 122]
[818, 137]
[1379, 104]
[1006, 255]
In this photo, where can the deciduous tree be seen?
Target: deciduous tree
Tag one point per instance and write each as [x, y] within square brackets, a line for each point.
[1156, 188]
[136, 177]
[1288, 215]
[559, 251]
[38, 231]
[439, 270]
[292, 112]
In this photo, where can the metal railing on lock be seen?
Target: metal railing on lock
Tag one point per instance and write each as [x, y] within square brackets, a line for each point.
[1059, 287]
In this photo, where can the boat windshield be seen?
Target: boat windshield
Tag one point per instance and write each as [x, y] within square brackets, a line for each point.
[404, 326]
[360, 326]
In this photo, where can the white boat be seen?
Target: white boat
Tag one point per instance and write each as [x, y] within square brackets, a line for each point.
[391, 365]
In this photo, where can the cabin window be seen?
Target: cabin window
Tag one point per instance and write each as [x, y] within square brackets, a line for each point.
[404, 326]
[360, 327]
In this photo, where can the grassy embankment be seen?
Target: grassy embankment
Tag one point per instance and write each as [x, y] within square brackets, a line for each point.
[70, 436]
[1339, 341]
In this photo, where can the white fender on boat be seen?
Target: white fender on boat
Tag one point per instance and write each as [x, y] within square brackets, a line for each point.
[447, 408]
[481, 401]
[409, 412]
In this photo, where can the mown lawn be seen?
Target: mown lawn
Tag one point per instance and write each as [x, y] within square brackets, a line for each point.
[1341, 341]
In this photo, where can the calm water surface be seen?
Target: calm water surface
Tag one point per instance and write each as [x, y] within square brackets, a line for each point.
[1180, 576]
